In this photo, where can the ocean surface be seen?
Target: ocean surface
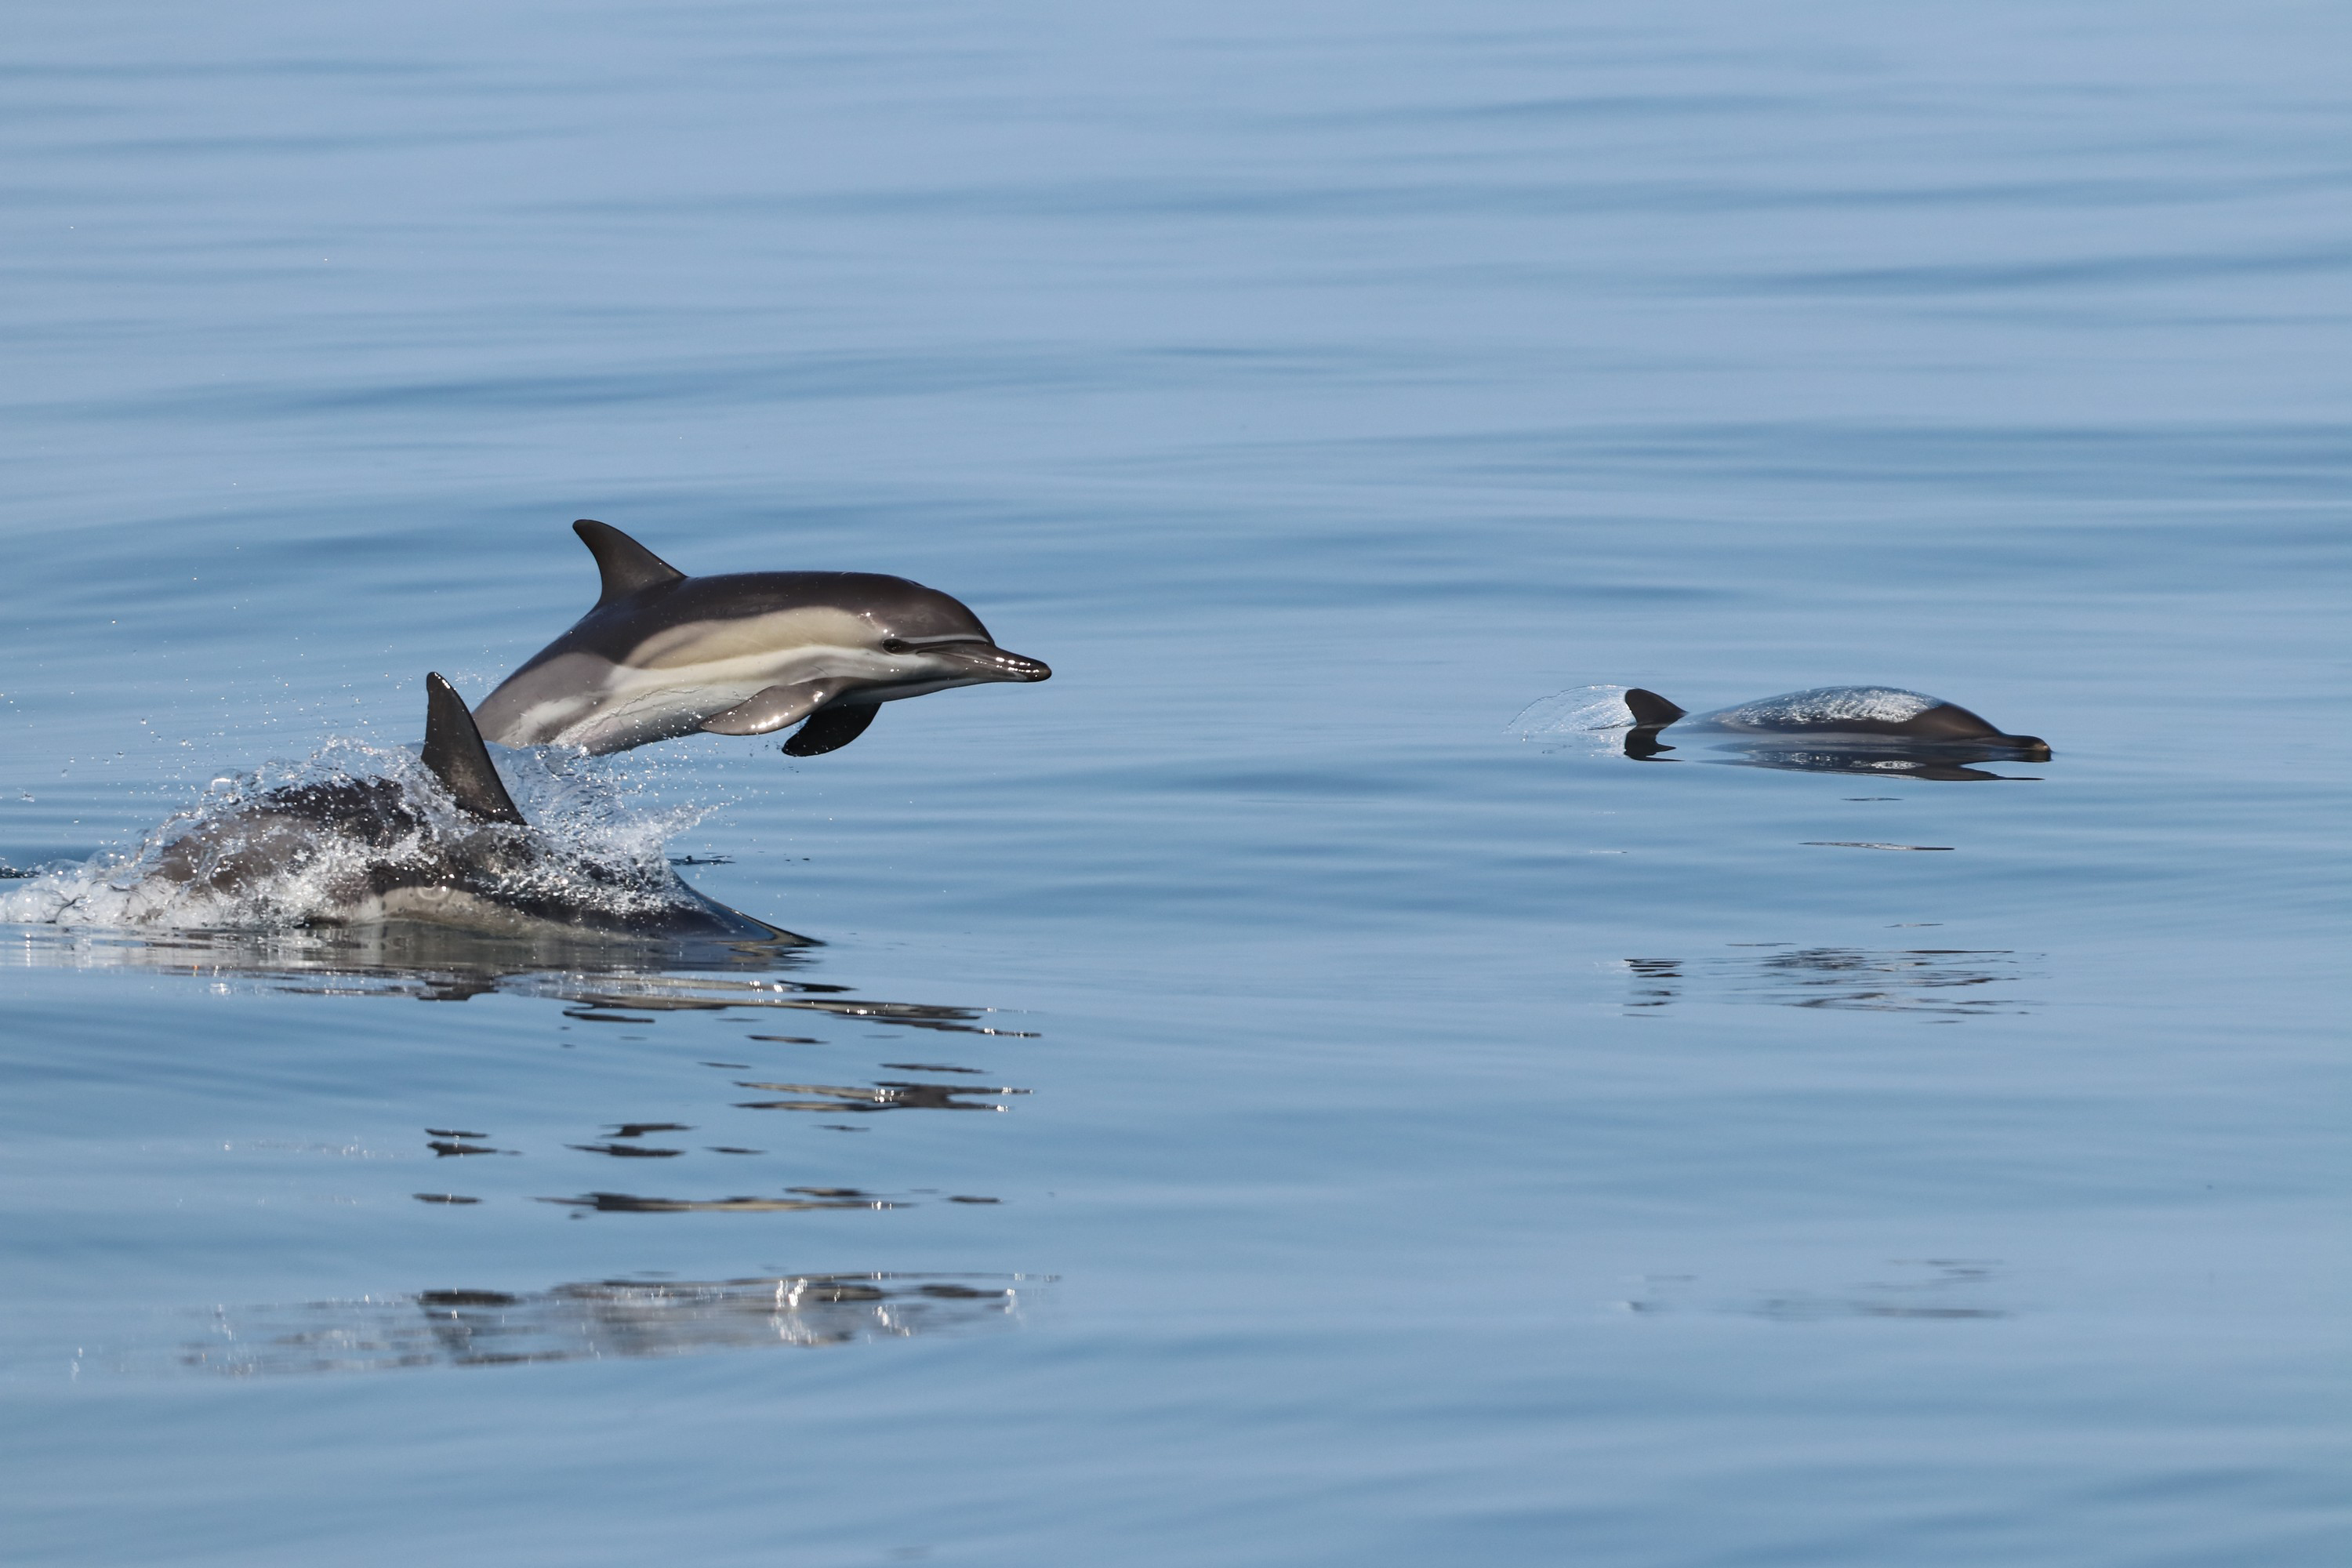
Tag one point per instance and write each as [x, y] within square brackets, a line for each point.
[1397, 1127]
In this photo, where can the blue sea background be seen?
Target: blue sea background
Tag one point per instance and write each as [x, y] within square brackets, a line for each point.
[1442, 1144]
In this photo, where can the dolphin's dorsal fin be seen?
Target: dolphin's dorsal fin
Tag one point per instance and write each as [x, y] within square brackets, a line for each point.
[627, 566]
[1650, 710]
[455, 753]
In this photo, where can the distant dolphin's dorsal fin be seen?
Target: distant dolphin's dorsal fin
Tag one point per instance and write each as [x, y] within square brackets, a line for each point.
[627, 566]
[455, 755]
[1650, 710]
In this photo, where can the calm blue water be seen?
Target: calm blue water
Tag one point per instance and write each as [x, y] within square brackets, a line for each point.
[1437, 1144]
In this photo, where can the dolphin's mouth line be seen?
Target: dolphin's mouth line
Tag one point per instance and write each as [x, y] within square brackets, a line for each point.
[987, 661]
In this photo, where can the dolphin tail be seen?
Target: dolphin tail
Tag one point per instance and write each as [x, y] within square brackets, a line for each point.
[627, 566]
[455, 753]
[1651, 711]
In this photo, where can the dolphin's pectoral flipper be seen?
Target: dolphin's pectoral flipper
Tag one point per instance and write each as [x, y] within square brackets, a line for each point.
[455, 755]
[627, 566]
[764, 713]
[830, 729]
[1650, 710]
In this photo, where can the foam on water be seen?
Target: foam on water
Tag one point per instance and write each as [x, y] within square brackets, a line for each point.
[1582, 712]
[592, 846]
[1825, 704]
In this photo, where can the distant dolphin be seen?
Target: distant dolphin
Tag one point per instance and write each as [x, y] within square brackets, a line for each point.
[664, 654]
[1840, 723]
[374, 850]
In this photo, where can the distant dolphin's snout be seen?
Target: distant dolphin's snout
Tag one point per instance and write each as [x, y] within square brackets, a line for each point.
[986, 662]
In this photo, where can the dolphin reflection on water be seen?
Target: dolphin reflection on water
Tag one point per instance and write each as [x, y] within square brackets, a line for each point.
[702, 992]
[591, 1321]
[1939, 983]
[443, 963]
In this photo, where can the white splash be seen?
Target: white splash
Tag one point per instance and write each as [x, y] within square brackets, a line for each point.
[589, 845]
[1825, 705]
[1589, 714]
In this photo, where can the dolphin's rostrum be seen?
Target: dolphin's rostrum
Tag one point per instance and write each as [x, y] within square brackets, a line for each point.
[664, 654]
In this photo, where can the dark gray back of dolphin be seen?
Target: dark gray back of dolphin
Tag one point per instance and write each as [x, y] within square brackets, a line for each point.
[618, 626]
[646, 593]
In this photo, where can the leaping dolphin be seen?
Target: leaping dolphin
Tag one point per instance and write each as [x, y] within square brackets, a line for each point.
[664, 654]
[1837, 728]
[369, 850]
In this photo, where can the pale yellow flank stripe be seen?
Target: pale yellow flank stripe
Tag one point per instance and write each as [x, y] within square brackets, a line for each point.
[726, 642]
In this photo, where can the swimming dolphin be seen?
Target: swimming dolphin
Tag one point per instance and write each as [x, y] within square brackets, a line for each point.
[372, 849]
[664, 654]
[1835, 726]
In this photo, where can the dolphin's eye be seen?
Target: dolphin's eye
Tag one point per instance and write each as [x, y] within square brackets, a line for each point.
[892, 645]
